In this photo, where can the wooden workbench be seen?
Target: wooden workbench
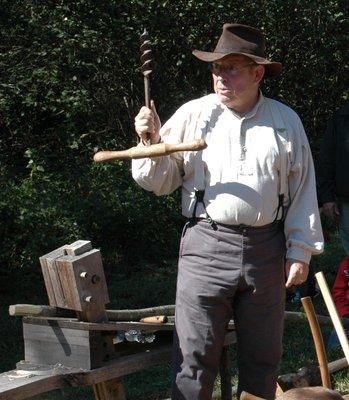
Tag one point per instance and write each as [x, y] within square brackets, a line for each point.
[30, 379]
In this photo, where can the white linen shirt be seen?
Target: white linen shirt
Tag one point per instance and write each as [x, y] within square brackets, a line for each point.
[240, 169]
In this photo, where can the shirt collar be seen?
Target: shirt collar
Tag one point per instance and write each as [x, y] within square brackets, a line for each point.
[252, 112]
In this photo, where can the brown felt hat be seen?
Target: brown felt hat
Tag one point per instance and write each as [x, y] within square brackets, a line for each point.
[241, 40]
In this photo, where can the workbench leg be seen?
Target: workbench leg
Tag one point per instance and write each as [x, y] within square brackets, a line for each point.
[109, 390]
[225, 374]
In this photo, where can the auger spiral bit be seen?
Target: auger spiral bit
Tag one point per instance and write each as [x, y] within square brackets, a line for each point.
[146, 64]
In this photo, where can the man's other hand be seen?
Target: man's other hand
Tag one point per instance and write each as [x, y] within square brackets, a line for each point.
[296, 272]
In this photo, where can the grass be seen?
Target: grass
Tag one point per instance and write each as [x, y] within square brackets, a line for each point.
[154, 284]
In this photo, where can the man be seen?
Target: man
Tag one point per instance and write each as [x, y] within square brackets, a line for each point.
[333, 173]
[235, 194]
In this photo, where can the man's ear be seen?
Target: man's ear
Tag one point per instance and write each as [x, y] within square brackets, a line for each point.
[259, 73]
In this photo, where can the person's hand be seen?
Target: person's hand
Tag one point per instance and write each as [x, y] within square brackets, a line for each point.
[147, 124]
[296, 272]
[330, 209]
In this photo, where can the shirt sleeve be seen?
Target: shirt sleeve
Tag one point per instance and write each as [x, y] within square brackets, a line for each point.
[163, 175]
[326, 172]
[303, 229]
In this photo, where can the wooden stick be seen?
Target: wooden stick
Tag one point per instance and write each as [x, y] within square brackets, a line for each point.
[137, 314]
[154, 150]
[155, 319]
[39, 311]
[113, 315]
[318, 341]
[333, 313]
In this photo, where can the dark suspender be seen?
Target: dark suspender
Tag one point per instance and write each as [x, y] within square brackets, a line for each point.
[199, 198]
[282, 207]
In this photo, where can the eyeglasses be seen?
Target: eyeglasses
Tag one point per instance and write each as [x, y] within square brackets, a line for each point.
[230, 70]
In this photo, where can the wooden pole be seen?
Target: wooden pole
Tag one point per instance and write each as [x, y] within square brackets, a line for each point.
[318, 341]
[337, 323]
[113, 315]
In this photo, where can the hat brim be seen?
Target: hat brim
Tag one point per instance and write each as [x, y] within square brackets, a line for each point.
[272, 68]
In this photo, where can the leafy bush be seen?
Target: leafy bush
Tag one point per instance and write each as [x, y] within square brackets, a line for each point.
[71, 84]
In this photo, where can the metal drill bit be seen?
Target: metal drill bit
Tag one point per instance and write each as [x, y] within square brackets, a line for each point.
[146, 64]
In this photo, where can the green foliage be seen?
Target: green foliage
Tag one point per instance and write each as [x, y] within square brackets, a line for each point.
[71, 84]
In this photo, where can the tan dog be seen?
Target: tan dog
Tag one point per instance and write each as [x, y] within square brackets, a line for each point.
[306, 393]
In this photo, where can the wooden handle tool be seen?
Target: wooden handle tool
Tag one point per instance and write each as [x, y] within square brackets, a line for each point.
[337, 323]
[155, 320]
[155, 150]
[318, 341]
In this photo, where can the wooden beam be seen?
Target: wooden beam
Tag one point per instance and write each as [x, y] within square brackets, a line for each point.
[19, 385]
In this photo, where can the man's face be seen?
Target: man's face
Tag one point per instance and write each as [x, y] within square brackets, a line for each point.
[235, 79]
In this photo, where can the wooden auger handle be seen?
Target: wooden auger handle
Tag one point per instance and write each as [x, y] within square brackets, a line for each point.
[154, 150]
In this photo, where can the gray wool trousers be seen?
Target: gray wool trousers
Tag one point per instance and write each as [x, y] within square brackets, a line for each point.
[229, 272]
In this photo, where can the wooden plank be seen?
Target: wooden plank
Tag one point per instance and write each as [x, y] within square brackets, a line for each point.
[46, 267]
[31, 385]
[14, 386]
[124, 366]
[47, 279]
[53, 344]
[53, 332]
[84, 286]
[50, 264]
[67, 279]
[78, 247]
[91, 263]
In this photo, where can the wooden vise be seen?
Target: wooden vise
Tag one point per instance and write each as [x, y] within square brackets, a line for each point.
[74, 280]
